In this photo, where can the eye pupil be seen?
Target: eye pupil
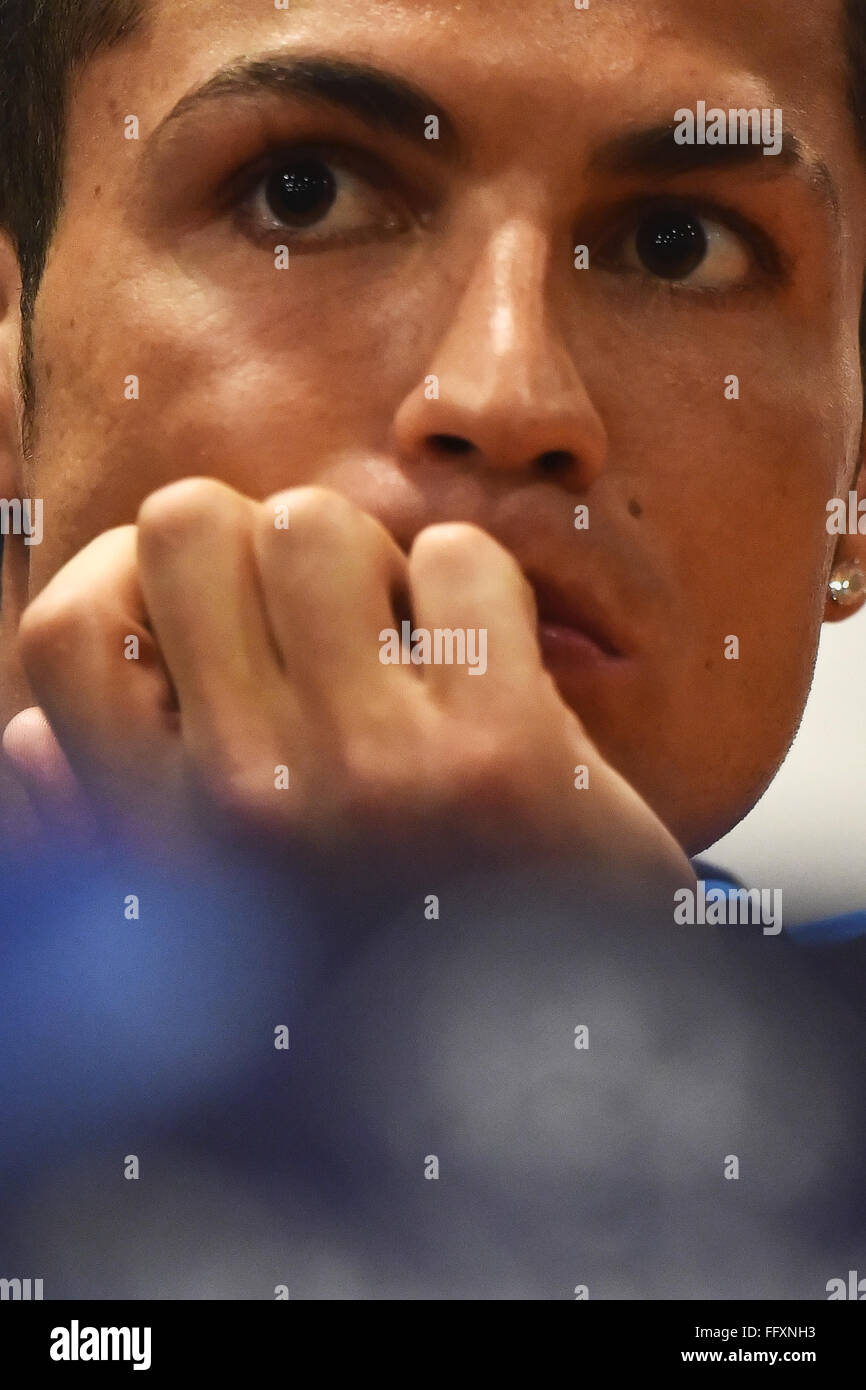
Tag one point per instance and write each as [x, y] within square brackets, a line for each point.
[671, 244]
[301, 192]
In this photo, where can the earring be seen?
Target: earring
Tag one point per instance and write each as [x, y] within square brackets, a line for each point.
[847, 584]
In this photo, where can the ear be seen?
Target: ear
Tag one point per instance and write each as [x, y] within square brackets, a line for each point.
[851, 544]
[16, 816]
[11, 461]
[10, 348]
[13, 586]
[15, 569]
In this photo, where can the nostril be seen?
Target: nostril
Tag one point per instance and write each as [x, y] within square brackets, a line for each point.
[555, 461]
[451, 443]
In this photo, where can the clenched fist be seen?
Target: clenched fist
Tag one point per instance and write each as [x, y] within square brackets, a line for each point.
[217, 670]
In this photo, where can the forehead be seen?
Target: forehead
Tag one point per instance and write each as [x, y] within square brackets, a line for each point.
[794, 50]
[527, 82]
[758, 22]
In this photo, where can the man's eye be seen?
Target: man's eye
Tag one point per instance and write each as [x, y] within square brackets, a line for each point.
[312, 198]
[301, 194]
[683, 247]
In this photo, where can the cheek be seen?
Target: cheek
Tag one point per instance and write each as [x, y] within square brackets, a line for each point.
[737, 474]
[179, 381]
[733, 496]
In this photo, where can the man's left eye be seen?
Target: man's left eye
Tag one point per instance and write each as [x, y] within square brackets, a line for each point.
[681, 246]
[316, 199]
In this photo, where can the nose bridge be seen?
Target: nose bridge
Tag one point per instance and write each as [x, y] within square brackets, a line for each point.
[506, 388]
[502, 312]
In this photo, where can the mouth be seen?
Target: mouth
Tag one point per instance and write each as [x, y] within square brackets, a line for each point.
[571, 630]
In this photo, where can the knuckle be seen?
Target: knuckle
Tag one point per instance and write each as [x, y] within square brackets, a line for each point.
[78, 605]
[466, 551]
[183, 509]
[313, 510]
[51, 628]
[451, 539]
[372, 781]
[242, 790]
[487, 770]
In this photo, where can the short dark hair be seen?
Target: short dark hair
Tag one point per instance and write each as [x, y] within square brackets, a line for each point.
[45, 42]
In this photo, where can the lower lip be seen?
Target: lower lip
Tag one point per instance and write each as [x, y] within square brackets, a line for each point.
[563, 646]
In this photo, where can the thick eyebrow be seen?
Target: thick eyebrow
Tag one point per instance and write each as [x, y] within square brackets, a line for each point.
[380, 99]
[655, 152]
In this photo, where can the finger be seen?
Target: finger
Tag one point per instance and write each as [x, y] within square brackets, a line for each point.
[331, 582]
[94, 668]
[203, 594]
[41, 767]
[471, 591]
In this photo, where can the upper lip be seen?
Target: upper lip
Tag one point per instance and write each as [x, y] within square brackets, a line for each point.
[560, 608]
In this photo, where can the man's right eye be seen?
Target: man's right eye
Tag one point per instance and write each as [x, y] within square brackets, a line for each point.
[302, 193]
[314, 199]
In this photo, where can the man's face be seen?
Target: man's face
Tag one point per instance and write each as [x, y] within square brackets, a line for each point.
[453, 258]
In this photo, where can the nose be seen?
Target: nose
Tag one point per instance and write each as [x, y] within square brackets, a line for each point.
[502, 389]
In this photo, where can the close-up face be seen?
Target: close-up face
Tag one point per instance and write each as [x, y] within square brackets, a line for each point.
[426, 344]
